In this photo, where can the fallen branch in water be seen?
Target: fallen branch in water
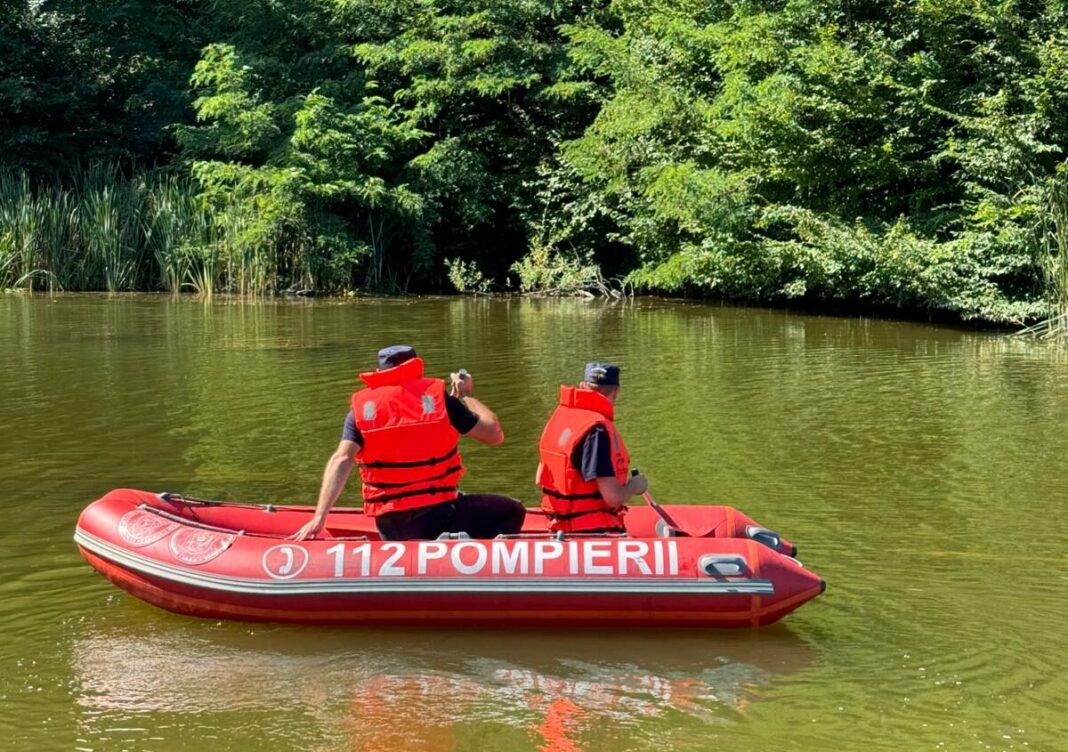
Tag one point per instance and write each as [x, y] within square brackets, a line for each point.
[1055, 327]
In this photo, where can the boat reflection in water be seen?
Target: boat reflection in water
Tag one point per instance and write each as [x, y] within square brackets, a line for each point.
[420, 690]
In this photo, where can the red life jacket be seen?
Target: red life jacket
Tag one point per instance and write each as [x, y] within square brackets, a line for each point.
[409, 457]
[572, 503]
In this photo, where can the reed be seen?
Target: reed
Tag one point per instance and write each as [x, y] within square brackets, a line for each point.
[18, 231]
[1057, 255]
[166, 225]
[203, 253]
[97, 229]
[1054, 249]
[183, 237]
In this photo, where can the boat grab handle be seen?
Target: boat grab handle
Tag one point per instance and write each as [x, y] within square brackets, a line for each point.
[723, 565]
[769, 538]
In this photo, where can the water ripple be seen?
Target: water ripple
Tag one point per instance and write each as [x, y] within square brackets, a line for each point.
[920, 469]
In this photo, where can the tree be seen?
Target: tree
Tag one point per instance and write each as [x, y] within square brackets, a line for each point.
[91, 81]
[823, 149]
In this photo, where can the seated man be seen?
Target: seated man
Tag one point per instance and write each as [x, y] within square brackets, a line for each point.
[583, 472]
[402, 432]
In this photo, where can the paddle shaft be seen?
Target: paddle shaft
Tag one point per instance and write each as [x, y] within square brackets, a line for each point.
[656, 507]
[661, 511]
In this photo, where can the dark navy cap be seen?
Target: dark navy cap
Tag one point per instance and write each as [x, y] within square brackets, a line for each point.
[394, 355]
[601, 374]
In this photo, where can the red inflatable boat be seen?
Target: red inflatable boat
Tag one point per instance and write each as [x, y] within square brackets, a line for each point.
[232, 561]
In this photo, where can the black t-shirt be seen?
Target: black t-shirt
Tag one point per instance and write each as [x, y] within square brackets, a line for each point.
[593, 456]
[460, 416]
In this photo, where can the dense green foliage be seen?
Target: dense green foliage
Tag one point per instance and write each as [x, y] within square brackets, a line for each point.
[899, 154]
[375, 138]
[94, 80]
[892, 152]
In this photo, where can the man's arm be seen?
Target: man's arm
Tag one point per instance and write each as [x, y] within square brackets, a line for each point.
[488, 429]
[616, 494]
[335, 476]
[596, 463]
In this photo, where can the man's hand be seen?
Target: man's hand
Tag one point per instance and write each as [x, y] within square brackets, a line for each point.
[463, 384]
[335, 476]
[637, 485]
[616, 494]
[310, 530]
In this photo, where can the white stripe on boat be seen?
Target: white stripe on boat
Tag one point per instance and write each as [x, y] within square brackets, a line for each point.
[370, 586]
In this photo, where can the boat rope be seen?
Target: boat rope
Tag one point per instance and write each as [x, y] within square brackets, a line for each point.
[182, 498]
[193, 500]
[189, 522]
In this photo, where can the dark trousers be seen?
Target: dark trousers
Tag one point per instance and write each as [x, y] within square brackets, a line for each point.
[478, 515]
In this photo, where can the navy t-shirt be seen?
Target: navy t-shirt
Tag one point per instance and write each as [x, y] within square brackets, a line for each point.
[593, 456]
[460, 416]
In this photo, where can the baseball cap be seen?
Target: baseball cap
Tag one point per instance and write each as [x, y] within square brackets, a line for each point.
[601, 374]
[394, 355]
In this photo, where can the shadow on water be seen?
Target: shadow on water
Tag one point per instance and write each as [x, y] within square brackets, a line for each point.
[412, 689]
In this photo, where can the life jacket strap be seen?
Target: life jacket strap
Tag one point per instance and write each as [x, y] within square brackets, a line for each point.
[570, 497]
[415, 463]
[574, 515]
[447, 472]
[414, 492]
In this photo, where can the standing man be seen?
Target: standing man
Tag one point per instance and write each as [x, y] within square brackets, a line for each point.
[402, 432]
[583, 472]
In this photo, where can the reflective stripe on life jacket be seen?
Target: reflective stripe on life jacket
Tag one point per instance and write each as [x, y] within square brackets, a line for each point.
[409, 457]
[572, 503]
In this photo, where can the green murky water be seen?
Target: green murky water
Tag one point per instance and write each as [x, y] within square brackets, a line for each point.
[921, 470]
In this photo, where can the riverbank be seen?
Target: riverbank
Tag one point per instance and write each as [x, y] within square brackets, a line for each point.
[153, 234]
[944, 319]
[867, 161]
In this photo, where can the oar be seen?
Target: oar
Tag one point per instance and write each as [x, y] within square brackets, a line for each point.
[672, 525]
[762, 535]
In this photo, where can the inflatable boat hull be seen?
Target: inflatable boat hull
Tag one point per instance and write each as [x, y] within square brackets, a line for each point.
[224, 561]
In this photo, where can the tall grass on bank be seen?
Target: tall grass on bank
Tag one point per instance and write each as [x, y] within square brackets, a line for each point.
[1054, 247]
[96, 230]
[1057, 257]
[100, 230]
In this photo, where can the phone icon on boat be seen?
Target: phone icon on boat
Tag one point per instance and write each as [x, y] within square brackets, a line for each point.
[284, 561]
[288, 566]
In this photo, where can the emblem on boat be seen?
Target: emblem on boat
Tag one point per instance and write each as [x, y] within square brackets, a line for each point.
[284, 562]
[139, 528]
[199, 546]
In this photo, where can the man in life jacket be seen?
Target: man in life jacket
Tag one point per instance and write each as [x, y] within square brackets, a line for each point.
[584, 466]
[402, 432]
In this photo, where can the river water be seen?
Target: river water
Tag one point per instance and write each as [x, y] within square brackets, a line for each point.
[921, 471]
